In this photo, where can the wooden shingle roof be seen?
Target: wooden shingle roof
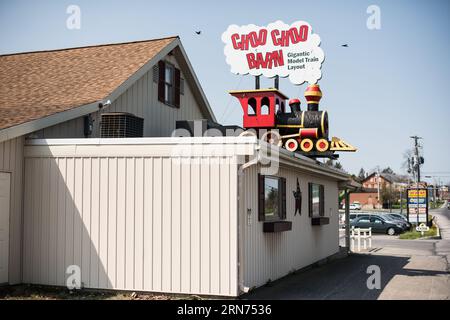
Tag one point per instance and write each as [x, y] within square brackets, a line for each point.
[39, 84]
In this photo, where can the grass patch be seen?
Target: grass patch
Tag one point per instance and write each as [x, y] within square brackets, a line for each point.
[437, 204]
[36, 292]
[410, 235]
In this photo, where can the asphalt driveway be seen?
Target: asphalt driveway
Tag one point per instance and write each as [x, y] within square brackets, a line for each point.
[410, 269]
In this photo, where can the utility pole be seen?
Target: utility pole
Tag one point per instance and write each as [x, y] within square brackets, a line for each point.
[418, 160]
[401, 200]
[378, 184]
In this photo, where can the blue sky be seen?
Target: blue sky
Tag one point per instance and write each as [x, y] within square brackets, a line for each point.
[386, 86]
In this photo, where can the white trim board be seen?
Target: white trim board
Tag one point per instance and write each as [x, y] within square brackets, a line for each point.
[169, 147]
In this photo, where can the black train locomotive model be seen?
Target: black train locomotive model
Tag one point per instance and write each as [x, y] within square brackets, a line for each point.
[300, 131]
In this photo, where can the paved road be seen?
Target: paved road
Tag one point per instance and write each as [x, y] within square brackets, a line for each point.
[410, 269]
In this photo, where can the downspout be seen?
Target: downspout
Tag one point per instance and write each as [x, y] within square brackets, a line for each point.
[347, 220]
[241, 209]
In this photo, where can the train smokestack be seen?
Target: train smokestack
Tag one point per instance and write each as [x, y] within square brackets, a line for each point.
[295, 106]
[313, 96]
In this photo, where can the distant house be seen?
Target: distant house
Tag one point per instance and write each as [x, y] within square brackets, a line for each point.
[393, 181]
[372, 186]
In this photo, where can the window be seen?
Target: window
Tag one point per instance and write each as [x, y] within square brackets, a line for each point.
[169, 84]
[272, 198]
[316, 200]
[169, 80]
[265, 102]
[377, 220]
[251, 108]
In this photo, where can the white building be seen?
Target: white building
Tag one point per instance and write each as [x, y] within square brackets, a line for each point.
[126, 210]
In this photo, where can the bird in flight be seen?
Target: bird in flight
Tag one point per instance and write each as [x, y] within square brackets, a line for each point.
[344, 45]
[198, 32]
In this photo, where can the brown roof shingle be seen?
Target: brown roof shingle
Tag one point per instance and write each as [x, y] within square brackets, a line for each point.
[38, 84]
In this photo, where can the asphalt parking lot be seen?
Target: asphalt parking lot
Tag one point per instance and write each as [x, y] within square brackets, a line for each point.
[409, 269]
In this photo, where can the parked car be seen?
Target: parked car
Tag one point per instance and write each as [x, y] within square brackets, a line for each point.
[355, 206]
[399, 217]
[378, 224]
[355, 215]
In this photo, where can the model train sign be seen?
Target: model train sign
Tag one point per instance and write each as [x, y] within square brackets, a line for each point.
[285, 51]
[278, 49]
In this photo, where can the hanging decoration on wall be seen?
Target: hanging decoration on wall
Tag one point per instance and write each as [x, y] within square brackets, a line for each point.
[298, 199]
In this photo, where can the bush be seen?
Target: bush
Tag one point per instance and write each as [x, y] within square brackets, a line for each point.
[416, 234]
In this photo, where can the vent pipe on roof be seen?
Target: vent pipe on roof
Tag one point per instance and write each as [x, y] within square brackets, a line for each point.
[257, 83]
[277, 82]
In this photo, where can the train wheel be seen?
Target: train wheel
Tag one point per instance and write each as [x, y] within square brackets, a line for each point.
[306, 145]
[291, 145]
[322, 145]
[248, 133]
[272, 137]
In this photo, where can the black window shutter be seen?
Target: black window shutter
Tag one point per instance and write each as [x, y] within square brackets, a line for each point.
[283, 198]
[322, 202]
[161, 81]
[261, 198]
[176, 100]
[310, 198]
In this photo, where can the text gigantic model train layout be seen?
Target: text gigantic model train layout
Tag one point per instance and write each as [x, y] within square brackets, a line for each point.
[301, 131]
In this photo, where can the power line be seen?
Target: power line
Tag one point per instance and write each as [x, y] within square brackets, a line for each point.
[229, 101]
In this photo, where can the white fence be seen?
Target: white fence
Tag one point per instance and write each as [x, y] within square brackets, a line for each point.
[358, 234]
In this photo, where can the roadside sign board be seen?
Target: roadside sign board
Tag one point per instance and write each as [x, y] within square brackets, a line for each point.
[417, 193]
[422, 228]
[417, 200]
[417, 205]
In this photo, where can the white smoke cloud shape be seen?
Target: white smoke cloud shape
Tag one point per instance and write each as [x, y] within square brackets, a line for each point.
[311, 67]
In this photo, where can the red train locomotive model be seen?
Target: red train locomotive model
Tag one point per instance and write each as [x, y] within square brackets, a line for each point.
[305, 132]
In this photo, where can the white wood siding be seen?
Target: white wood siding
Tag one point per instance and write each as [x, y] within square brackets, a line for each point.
[131, 222]
[141, 99]
[11, 160]
[274, 255]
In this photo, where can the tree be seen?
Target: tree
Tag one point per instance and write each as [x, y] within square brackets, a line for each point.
[361, 174]
[388, 196]
[407, 155]
[334, 164]
[329, 162]
[388, 170]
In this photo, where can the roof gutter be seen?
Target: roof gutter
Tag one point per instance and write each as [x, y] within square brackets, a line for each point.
[41, 123]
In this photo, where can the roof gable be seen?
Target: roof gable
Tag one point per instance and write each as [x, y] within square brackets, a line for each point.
[388, 177]
[37, 85]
